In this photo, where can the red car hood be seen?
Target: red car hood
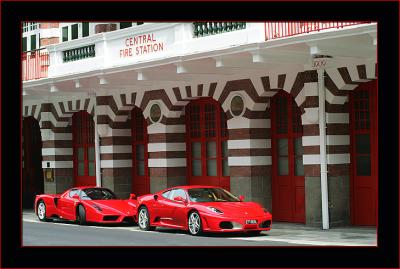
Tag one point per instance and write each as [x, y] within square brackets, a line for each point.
[238, 209]
[113, 206]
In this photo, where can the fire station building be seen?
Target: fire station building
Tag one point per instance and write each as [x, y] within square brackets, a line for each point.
[284, 113]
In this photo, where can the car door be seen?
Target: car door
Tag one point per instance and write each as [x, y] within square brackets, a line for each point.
[177, 209]
[67, 205]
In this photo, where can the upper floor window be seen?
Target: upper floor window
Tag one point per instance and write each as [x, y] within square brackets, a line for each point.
[25, 26]
[123, 25]
[33, 26]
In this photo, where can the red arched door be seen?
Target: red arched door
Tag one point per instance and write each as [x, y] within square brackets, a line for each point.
[364, 154]
[288, 200]
[140, 171]
[83, 149]
[207, 144]
[32, 183]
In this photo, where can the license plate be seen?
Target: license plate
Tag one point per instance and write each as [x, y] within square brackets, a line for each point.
[251, 221]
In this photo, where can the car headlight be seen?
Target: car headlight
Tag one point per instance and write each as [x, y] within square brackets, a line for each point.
[215, 210]
[98, 207]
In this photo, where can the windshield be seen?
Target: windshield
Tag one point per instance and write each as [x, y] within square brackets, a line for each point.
[211, 195]
[97, 194]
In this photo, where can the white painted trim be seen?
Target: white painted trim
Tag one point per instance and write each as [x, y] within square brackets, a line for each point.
[171, 162]
[157, 147]
[310, 89]
[249, 160]
[332, 140]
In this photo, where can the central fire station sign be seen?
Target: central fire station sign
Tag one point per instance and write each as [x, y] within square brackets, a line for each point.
[142, 44]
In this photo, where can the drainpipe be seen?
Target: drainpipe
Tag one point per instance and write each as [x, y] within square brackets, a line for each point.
[96, 145]
[322, 149]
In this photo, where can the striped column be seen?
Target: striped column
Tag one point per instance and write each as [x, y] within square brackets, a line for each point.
[115, 145]
[167, 153]
[56, 149]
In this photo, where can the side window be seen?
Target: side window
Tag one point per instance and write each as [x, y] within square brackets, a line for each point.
[166, 194]
[178, 192]
[73, 192]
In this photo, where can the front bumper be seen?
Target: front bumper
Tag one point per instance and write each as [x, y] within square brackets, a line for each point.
[213, 223]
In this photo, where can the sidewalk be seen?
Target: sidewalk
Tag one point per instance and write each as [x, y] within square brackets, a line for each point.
[338, 236]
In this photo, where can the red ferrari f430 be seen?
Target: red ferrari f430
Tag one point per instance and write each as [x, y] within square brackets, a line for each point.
[200, 209]
[86, 204]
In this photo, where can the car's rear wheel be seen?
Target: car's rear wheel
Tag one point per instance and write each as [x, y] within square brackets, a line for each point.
[144, 219]
[41, 211]
[81, 215]
[194, 223]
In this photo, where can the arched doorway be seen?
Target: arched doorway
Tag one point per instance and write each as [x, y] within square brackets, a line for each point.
[207, 144]
[364, 154]
[288, 198]
[32, 180]
[140, 171]
[83, 149]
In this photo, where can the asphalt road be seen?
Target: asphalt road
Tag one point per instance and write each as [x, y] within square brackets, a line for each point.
[62, 233]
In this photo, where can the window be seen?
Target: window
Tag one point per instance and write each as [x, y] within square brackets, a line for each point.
[24, 27]
[33, 26]
[139, 23]
[207, 143]
[85, 29]
[24, 45]
[73, 192]
[33, 42]
[74, 31]
[123, 25]
[166, 194]
[65, 34]
[176, 193]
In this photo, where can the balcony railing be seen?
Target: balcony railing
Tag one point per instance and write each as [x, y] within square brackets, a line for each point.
[275, 30]
[213, 28]
[35, 64]
[79, 53]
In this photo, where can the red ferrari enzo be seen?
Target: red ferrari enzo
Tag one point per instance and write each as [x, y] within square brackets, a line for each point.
[201, 208]
[86, 204]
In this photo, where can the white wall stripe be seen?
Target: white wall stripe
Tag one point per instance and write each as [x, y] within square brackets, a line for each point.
[159, 128]
[249, 160]
[257, 83]
[370, 70]
[116, 149]
[37, 111]
[336, 77]
[353, 72]
[337, 118]
[58, 164]
[218, 91]
[158, 147]
[300, 98]
[311, 159]
[332, 140]
[56, 151]
[338, 158]
[310, 89]
[242, 123]
[171, 162]
[115, 163]
[332, 99]
[289, 81]
[249, 143]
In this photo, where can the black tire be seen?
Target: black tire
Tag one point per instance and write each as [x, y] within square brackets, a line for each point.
[144, 219]
[195, 225]
[41, 211]
[81, 215]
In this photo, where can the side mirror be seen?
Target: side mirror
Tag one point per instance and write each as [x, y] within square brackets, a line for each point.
[76, 196]
[179, 199]
[132, 196]
[155, 197]
[241, 198]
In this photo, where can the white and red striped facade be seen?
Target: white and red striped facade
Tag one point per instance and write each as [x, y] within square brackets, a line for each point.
[217, 67]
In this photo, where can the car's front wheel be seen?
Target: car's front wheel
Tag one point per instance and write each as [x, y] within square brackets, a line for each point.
[41, 211]
[194, 223]
[81, 215]
[144, 219]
